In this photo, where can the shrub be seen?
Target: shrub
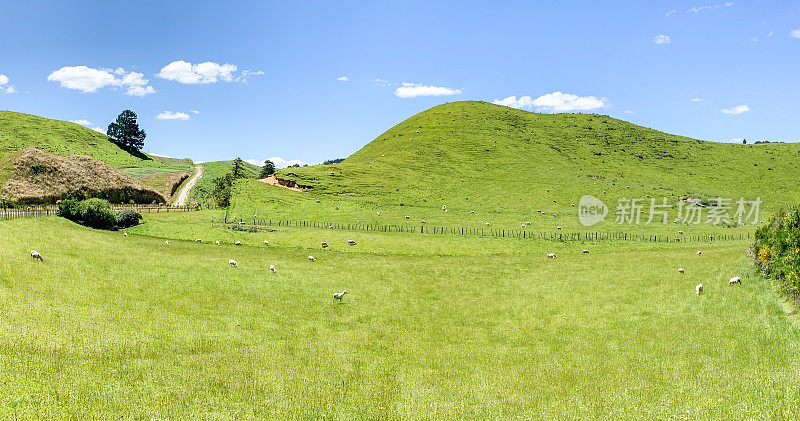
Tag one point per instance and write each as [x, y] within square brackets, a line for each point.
[776, 250]
[94, 213]
[97, 213]
[128, 218]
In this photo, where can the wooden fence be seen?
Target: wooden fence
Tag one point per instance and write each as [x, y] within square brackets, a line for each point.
[46, 210]
[487, 232]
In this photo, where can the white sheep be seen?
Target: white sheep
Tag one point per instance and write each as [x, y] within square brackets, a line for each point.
[198, 241]
[585, 251]
[336, 207]
[408, 217]
[339, 296]
[551, 255]
[422, 221]
[735, 280]
[558, 228]
[272, 268]
[238, 243]
[528, 223]
[471, 212]
[266, 242]
[444, 207]
[680, 232]
[351, 242]
[166, 242]
[680, 270]
[424, 199]
[216, 242]
[487, 224]
[311, 258]
[125, 234]
[233, 263]
[324, 244]
[699, 252]
[36, 256]
[318, 201]
[379, 213]
[698, 289]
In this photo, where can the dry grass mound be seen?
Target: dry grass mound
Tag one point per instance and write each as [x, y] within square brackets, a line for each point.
[39, 177]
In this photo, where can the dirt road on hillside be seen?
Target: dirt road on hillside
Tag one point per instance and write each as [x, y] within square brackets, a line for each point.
[184, 194]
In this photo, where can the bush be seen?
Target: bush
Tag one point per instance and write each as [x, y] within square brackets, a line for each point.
[128, 218]
[776, 250]
[94, 213]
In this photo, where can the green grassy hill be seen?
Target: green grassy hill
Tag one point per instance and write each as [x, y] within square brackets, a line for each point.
[500, 163]
[214, 170]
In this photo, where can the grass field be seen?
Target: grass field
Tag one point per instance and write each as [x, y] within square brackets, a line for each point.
[214, 170]
[485, 328]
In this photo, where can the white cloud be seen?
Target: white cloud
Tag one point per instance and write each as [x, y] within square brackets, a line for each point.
[698, 9]
[99, 130]
[670, 13]
[82, 122]
[412, 90]
[795, 33]
[629, 112]
[696, 100]
[169, 115]
[278, 161]
[195, 112]
[4, 84]
[770, 34]
[246, 75]
[190, 74]
[739, 109]
[381, 82]
[342, 78]
[734, 140]
[729, 4]
[661, 39]
[87, 79]
[556, 102]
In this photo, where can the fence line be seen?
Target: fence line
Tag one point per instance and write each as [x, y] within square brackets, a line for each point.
[486, 232]
[34, 211]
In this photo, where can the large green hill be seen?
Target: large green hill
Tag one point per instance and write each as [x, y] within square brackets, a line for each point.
[501, 162]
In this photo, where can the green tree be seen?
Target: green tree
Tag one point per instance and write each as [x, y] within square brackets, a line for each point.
[222, 190]
[126, 133]
[238, 168]
[267, 170]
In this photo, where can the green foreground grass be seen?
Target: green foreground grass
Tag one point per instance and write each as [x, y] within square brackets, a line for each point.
[110, 326]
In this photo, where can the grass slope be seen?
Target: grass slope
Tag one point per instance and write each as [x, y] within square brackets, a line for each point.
[156, 331]
[500, 162]
[214, 170]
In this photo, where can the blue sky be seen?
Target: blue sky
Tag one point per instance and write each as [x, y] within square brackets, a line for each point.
[261, 79]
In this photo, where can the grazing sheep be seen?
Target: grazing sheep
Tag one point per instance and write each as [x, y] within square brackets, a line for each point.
[272, 268]
[527, 223]
[238, 243]
[711, 237]
[680, 232]
[397, 189]
[735, 280]
[424, 199]
[351, 242]
[379, 214]
[336, 207]
[444, 207]
[558, 228]
[125, 234]
[408, 217]
[266, 242]
[317, 201]
[422, 222]
[487, 224]
[548, 190]
[471, 211]
[166, 242]
[523, 226]
[324, 244]
[339, 296]
[198, 241]
[551, 255]
[36, 256]
[677, 239]
[585, 251]
[233, 263]
[698, 289]
[312, 258]
[680, 270]
[699, 252]
[216, 242]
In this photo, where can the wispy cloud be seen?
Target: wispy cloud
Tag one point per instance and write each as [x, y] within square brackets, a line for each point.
[381, 82]
[412, 90]
[739, 109]
[88, 79]
[169, 115]
[82, 122]
[698, 9]
[670, 13]
[342, 78]
[661, 39]
[194, 112]
[696, 100]
[795, 33]
[556, 102]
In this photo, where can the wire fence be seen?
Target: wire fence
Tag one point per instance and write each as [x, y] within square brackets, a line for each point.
[34, 211]
[258, 224]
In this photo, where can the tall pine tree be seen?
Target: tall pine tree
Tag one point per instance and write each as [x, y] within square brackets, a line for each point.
[126, 133]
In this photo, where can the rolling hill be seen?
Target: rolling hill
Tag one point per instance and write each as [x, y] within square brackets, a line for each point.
[495, 160]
